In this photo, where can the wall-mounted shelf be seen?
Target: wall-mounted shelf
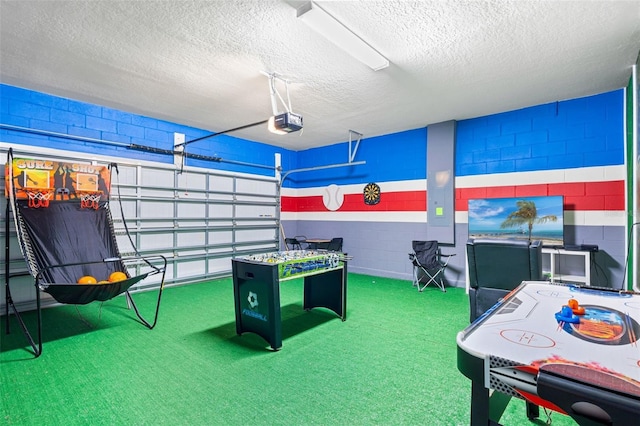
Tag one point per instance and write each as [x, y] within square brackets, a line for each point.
[567, 266]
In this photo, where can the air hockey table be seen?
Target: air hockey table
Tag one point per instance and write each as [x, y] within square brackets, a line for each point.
[256, 288]
[584, 362]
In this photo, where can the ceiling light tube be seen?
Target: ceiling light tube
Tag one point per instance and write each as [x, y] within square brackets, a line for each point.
[334, 31]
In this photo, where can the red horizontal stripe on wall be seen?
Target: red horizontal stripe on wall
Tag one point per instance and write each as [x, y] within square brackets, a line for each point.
[302, 204]
[584, 196]
[389, 201]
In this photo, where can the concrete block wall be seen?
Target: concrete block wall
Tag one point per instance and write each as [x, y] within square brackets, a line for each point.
[39, 111]
[583, 132]
[572, 148]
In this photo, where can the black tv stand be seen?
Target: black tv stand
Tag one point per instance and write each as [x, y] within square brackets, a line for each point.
[581, 247]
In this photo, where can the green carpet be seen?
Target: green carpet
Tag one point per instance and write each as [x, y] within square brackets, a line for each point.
[393, 361]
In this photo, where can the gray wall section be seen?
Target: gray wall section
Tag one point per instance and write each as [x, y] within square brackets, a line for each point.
[608, 264]
[440, 182]
[382, 248]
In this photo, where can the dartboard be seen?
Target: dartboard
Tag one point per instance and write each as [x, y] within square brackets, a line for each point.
[371, 194]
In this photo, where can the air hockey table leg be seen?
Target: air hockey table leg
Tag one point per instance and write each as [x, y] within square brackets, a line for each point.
[486, 406]
[533, 411]
[479, 404]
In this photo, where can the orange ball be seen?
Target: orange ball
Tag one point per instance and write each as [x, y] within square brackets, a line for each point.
[117, 276]
[87, 279]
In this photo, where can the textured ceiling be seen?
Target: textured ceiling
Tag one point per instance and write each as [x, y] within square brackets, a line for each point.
[200, 63]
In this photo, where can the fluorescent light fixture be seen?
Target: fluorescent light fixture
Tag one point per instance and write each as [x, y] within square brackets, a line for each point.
[334, 31]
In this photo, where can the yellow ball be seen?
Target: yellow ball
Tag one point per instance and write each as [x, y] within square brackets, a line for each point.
[104, 282]
[87, 279]
[117, 276]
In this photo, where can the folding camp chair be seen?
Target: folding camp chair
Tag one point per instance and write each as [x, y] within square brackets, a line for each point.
[428, 264]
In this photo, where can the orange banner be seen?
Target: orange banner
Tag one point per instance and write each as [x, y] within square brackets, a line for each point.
[64, 180]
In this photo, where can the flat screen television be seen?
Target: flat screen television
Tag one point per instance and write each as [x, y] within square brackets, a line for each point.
[526, 218]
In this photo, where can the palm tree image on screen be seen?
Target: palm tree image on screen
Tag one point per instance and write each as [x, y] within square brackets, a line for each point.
[527, 214]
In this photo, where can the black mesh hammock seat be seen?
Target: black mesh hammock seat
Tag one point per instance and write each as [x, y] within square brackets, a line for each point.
[65, 231]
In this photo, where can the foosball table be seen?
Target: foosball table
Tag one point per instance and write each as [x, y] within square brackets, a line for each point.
[256, 288]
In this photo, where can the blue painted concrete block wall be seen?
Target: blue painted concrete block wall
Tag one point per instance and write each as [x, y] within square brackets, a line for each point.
[567, 134]
[398, 156]
[582, 132]
[575, 133]
[34, 110]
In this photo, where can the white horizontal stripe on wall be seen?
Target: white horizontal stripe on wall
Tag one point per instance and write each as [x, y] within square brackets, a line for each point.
[392, 186]
[408, 217]
[585, 174]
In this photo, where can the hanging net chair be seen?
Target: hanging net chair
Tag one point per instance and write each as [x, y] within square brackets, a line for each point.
[66, 234]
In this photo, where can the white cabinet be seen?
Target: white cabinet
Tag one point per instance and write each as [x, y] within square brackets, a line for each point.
[567, 266]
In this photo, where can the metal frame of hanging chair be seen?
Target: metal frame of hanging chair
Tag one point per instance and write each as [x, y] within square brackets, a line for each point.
[71, 292]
